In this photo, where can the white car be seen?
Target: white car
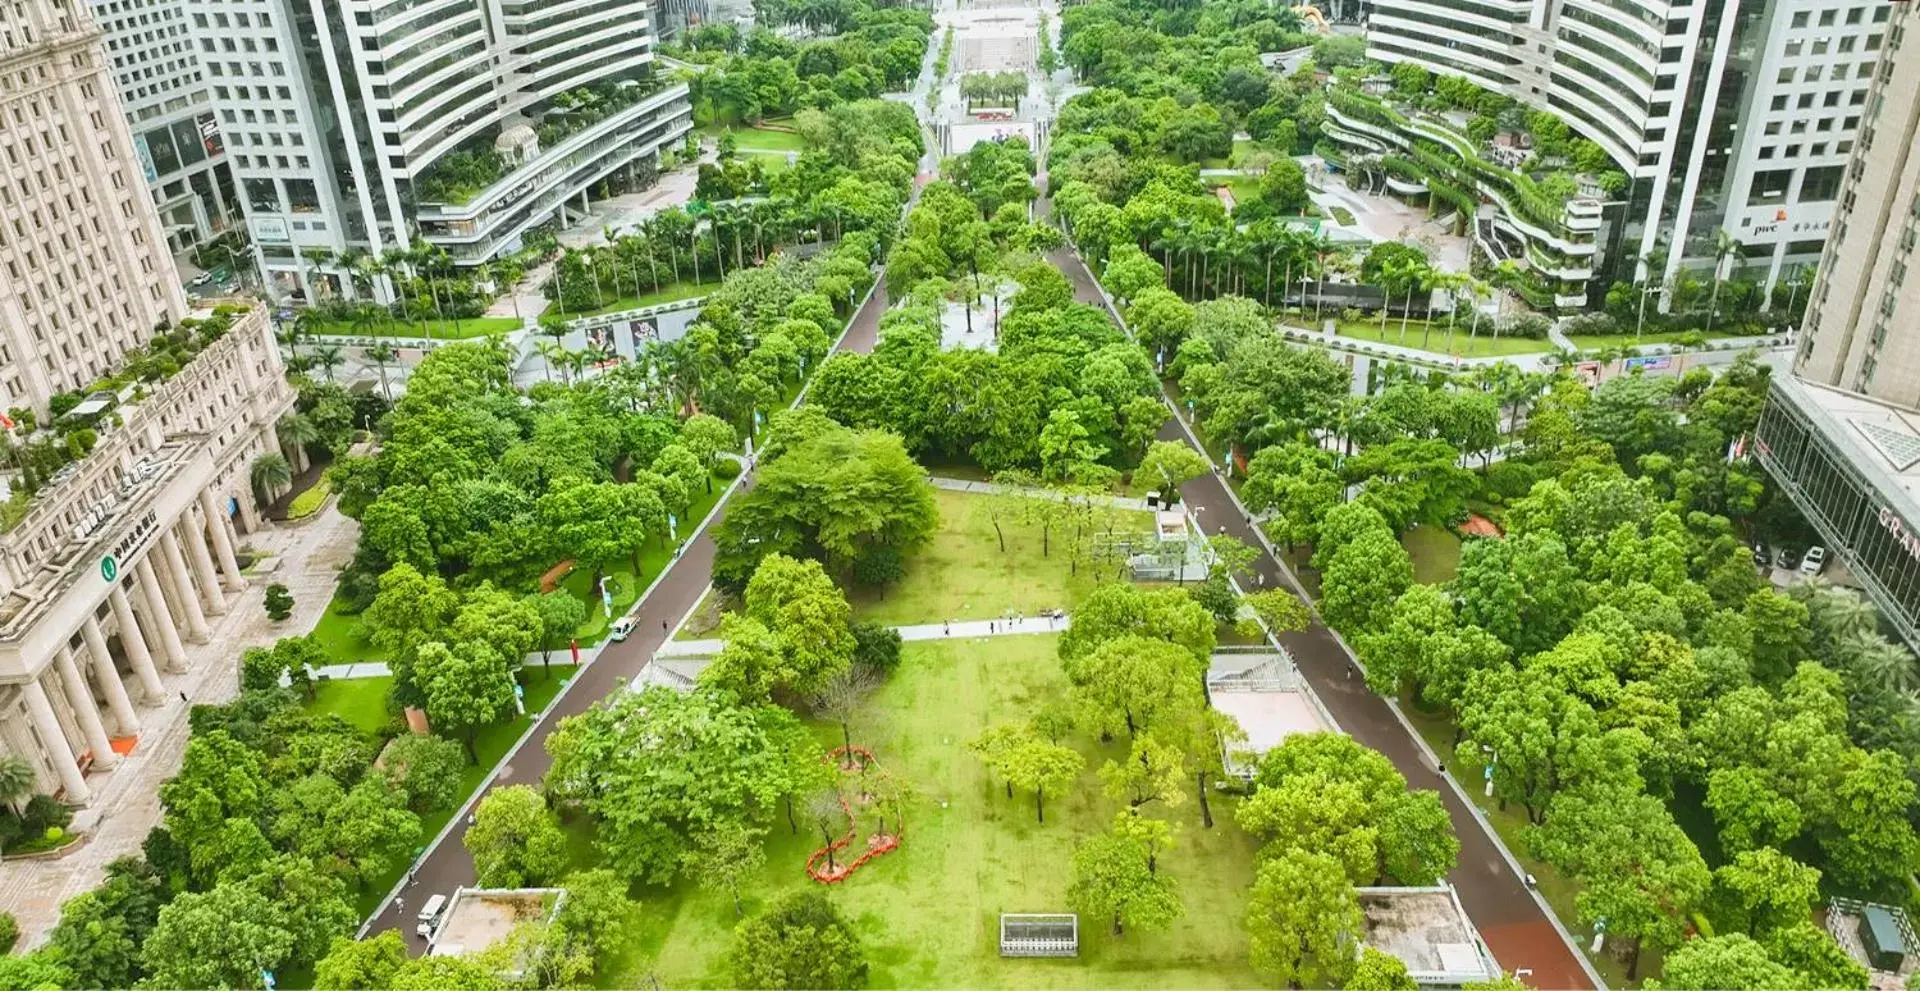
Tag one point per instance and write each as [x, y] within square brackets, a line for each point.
[622, 628]
[1816, 559]
[429, 915]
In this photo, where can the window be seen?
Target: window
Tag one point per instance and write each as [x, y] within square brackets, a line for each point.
[1785, 76]
[1779, 103]
[1826, 18]
[1799, 127]
[1805, 101]
[1847, 43]
[1793, 48]
[1873, 41]
[1772, 128]
[1800, 19]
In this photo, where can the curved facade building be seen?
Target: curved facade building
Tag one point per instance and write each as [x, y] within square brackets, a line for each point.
[1732, 115]
[463, 122]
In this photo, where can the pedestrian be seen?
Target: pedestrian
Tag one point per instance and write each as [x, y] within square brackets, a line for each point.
[401, 904]
[1441, 768]
[183, 697]
[990, 628]
[1259, 579]
[946, 627]
[663, 627]
[470, 820]
[1349, 672]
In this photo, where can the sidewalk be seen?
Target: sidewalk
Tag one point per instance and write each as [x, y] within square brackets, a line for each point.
[964, 630]
[984, 488]
[308, 558]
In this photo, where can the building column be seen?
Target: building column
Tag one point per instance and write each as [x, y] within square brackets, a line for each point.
[222, 541]
[159, 617]
[195, 537]
[183, 592]
[109, 677]
[54, 739]
[136, 643]
[81, 698]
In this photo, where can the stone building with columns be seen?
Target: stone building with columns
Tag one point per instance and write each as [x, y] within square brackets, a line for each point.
[118, 564]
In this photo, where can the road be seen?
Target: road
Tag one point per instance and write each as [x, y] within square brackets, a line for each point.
[1515, 926]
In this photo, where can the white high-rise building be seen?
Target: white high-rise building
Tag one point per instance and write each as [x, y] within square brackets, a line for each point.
[362, 125]
[1731, 115]
[117, 527]
[170, 108]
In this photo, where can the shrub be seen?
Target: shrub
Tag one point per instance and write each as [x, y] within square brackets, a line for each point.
[1532, 326]
[309, 502]
[9, 932]
[279, 602]
[43, 812]
[876, 646]
[1590, 325]
[726, 468]
[879, 566]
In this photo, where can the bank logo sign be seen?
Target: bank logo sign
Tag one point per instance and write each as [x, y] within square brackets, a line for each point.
[109, 568]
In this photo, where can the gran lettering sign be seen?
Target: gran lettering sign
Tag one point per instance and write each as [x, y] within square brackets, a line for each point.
[130, 543]
[1907, 539]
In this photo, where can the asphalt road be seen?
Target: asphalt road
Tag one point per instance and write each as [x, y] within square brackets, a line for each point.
[1515, 927]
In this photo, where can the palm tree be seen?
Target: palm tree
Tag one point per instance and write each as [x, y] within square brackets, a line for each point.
[553, 352]
[1726, 248]
[270, 473]
[380, 354]
[328, 357]
[17, 781]
[295, 431]
[1880, 661]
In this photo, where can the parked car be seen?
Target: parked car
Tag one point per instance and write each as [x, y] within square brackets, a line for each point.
[1761, 555]
[1815, 560]
[429, 915]
[1786, 558]
[622, 628]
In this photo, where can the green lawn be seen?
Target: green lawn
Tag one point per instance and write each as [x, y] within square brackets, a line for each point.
[1343, 216]
[626, 588]
[363, 702]
[1242, 147]
[760, 139]
[1465, 346]
[343, 636]
[672, 292]
[928, 911]
[1435, 552]
[1246, 188]
[963, 574]
[437, 329]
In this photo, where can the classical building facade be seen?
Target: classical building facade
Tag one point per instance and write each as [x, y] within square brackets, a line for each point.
[357, 127]
[112, 562]
[1732, 115]
[120, 561]
[84, 270]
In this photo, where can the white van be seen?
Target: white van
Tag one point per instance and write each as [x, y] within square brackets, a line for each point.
[1815, 560]
[430, 914]
[622, 628]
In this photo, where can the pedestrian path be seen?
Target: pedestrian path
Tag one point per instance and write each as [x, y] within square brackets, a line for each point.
[985, 488]
[379, 669]
[966, 629]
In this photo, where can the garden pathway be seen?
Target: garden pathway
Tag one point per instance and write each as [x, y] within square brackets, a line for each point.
[965, 629]
[984, 488]
[307, 559]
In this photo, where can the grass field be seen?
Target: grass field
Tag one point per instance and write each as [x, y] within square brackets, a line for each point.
[759, 139]
[343, 636]
[927, 912]
[1435, 552]
[963, 574]
[1246, 188]
[672, 292]
[1480, 346]
[363, 703]
[444, 330]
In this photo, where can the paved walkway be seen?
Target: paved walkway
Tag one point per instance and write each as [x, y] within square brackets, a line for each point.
[307, 559]
[966, 629]
[983, 488]
[1516, 923]
[561, 658]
